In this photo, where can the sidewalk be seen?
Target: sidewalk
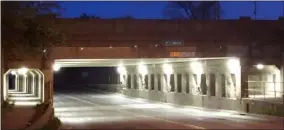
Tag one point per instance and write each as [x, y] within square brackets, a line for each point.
[274, 118]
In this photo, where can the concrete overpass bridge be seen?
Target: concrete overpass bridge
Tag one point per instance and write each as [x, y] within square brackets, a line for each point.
[210, 64]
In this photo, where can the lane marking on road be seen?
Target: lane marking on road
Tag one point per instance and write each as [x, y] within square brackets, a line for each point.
[135, 114]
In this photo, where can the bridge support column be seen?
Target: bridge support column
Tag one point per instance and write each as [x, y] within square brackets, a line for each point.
[17, 82]
[21, 83]
[48, 84]
[244, 80]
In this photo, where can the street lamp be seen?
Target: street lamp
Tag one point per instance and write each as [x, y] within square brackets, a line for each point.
[260, 66]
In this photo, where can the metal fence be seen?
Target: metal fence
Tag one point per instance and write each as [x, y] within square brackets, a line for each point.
[264, 90]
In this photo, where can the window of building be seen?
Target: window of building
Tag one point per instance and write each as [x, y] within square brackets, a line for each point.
[212, 85]
[129, 81]
[146, 82]
[187, 84]
[172, 82]
[179, 83]
[159, 82]
[135, 82]
[152, 82]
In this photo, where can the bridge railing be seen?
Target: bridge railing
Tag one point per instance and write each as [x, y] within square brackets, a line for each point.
[267, 91]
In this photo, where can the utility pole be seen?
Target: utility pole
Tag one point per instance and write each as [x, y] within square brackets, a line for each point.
[283, 8]
[217, 11]
[254, 10]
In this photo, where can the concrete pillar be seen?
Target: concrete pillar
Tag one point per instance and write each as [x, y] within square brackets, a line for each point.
[30, 84]
[131, 81]
[48, 84]
[20, 83]
[282, 79]
[24, 84]
[165, 82]
[183, 83]
[244, 79]
[37, 86]
[5, 87]
[156, 82]
[218, 86]
[176, 84]
[146, 78]
[149, 82]
[208, 85]
[17, 82]
[33, 85]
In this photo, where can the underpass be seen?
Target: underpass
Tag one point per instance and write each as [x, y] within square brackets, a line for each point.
[82, 107]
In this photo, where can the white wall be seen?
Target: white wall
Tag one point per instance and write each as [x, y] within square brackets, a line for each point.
[218, 67]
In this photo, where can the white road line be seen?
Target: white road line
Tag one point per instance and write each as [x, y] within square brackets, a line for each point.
[135, 114]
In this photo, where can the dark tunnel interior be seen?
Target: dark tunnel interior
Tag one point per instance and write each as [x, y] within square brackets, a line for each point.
[76, 79]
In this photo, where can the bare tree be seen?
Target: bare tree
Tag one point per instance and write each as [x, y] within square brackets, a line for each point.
[255, 9]
[126, 17]
[195, 10]
[86, 16]
[28, 28]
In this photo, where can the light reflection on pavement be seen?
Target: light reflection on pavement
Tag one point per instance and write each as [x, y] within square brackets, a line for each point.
[90, 110]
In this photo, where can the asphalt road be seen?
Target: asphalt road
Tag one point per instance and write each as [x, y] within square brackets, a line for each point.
[90, 109]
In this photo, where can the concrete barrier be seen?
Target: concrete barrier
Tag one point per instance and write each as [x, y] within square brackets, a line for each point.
[221, 103]
[242, 106]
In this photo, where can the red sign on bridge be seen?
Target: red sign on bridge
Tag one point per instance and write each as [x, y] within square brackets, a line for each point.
[182, 54]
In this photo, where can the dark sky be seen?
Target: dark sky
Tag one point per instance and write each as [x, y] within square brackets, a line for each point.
[154, 10]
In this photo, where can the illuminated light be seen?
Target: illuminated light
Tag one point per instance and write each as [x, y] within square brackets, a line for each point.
[142, 69]
[110, 47]
[23, 71]
[167, 69]
[16, 92]
[13, 72]
[156, 45]
[81, 48]
[25, 103]
[12, 90]
[233, 65]
[196, 67]
[94, 119]
[260, 66]
[174, 54]
[121, 70]
[21, 94]
[24, 98]
[135, 46]
[44, 50]
[56, 67]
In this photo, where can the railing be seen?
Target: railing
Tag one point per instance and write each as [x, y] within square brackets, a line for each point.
[265, 90]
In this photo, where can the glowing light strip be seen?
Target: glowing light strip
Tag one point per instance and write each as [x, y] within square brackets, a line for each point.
[25, 103]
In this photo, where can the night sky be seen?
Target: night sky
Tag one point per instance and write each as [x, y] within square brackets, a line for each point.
[146, 10]
[154, 9]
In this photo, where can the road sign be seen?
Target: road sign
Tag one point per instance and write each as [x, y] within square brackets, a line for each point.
[182, 54]
[174, 43]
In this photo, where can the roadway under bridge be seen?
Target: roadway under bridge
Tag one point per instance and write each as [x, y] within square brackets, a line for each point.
[160, 93]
